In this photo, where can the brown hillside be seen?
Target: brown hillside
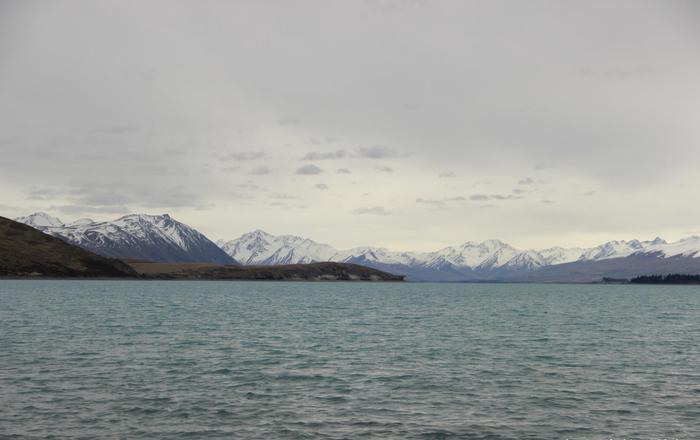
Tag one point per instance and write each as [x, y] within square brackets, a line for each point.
[25, 251]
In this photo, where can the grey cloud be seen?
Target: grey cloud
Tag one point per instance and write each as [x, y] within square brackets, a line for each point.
[394, 6]
[5, 209]
[90, 209]
[546, 201]
[238, 196]
[456, 199]
[230, 169]
[118, 130]
[261, 170]
[248, 185]
[543, 167]
[519, 191]
[296, 207]
[589, 193]
[432, 202]
[384, 169]
[377, 152]
[289, 120]
[374, 210]
[343, 171]
[526, 181]
[317, 155]
[35, 193]
[505, 197]
[245, 156]
[100, 196]
[446, 175]
[585, 113]
[149, 75]
[478, 197]
[409, 106]
[174, 197]
[321, 186]
[117, 195]
[309, 170]
[621, 73]
[284, 197]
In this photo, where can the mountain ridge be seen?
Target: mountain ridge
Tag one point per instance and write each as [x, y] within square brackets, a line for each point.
[160, 238]
[134, 236]
[487, 260]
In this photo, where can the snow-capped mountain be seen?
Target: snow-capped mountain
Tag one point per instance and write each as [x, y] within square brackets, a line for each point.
[81, 222]
[490, 259]
[559, 255]
[686, 247]
[136, 236]
[161, 238]
[467, 260]
[40, 220]
[259, 247]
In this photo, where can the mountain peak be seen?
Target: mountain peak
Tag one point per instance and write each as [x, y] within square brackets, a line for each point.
[136, 236]
[494, 244]
[260, 247]
[81, 222]
[256, 233]
[658, 240]
[40, 220]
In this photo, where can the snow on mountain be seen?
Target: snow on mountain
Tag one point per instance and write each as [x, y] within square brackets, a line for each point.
[136, 236]
[526, 260]
[485, 255]
[40, 220]
[687, 247]
[559, 255]
[81, 222]
[259, 247]
[161, 238]
[376, 255]
[612, 249]
[490, 259]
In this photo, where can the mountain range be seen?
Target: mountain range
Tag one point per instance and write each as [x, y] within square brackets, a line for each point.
[489, 260]
[163, 239]
[134, 237]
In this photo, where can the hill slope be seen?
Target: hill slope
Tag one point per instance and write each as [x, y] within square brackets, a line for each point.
[25, 251]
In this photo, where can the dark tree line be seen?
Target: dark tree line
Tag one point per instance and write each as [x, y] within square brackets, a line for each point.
[675, 278]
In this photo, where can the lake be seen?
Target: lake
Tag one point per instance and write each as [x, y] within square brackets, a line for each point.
[273, 360]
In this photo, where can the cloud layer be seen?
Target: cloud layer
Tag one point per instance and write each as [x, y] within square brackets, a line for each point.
[567, 120]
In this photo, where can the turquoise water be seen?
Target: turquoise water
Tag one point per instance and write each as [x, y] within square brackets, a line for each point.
[257, 360]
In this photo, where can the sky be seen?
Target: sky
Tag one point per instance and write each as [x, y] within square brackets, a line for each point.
[411, 125]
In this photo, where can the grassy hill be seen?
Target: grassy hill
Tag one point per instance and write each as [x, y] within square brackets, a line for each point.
[25, 251]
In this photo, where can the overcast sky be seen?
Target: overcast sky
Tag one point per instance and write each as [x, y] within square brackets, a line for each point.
[405, 124]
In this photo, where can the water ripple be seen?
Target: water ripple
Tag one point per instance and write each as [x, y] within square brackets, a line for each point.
[191, 360]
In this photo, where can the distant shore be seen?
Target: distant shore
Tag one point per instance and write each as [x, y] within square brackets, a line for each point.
[327, 271]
